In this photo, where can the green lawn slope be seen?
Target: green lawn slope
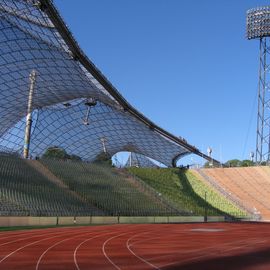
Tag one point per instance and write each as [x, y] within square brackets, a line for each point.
[186, 191]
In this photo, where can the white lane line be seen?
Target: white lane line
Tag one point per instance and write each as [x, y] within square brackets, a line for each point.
[9, 235]
[128, 245]
[29, 232]
[77, 248]
[83, 242]
[37, 235]
[32, 243]
[57, 243]
[21, 239]
[180, 233]
[104, 251]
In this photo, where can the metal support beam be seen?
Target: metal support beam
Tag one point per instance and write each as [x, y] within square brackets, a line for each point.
[103, 141]
[27, 135]
[263, 116]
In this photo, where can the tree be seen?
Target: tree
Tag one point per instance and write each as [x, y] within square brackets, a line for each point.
[207, 164]
[56, 152]
[103, 158]
[75, 158]
[233, 163]
[247, 163]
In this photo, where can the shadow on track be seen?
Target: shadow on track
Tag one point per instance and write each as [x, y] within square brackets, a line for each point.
[245, 261]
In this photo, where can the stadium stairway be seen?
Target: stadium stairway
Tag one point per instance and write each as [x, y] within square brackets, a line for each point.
[107, 188]
[38, 166]
[149, 191]
[26, 191]
[251, 185]
[200, 174]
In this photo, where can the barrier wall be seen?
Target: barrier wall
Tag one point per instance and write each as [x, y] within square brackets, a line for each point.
[104, 220]
[44, 221]
[185, 219]
[215, 219]
[27, 221]
[65, 220]
[51, 221]
[83, 220]
[161, 219]
[136, 220]
[4, 222]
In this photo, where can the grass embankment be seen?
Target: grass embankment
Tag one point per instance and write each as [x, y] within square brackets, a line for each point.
[105, 188]
[186, 191]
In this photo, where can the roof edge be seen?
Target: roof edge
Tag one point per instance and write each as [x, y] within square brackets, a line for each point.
[48, 7]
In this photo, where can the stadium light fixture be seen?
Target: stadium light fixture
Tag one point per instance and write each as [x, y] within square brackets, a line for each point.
[258, 27]
[90, 102]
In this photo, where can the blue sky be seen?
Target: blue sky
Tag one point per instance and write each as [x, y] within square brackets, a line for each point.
[185, 64]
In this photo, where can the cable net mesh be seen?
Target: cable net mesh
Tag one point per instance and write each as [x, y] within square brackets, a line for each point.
[138, 160]
[70, 108]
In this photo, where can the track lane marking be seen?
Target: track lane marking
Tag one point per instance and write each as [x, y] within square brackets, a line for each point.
[32, 243]
[30, 231]
[136, 255]
[57, 243]
[104, 251]
[77, 248]
[83, 242]
[21, 239]
[31, 236]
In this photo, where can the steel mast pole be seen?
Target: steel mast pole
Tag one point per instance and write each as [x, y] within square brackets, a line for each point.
[27, 135]
[103, 141]
[263, 117]
[258, 27]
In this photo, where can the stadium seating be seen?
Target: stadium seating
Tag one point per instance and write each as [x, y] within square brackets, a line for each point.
[50, 187]
[106, 188]
[187, 192]
[250, 184]
[25, 191]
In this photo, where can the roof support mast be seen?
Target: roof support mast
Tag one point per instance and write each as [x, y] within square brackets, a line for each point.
[27, 135]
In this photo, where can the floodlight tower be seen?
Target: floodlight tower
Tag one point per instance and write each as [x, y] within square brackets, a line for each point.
[258, 27]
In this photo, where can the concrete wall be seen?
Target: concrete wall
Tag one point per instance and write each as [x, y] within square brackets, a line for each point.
[161, 219]
[104, 220]
[185, 219]
[47, 221]
[215, 219]
[65, 220]
[4, 222]
[135, 220]
[34, 221]
[83, 220]
[27, 221]
[44, 221]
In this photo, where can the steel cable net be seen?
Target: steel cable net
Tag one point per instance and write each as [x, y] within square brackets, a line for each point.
[70, 109]
[138, 160]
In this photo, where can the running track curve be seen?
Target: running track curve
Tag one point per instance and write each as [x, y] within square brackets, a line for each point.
[143, 246]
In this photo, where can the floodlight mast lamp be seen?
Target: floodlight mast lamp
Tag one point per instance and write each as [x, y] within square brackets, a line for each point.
[258, 27]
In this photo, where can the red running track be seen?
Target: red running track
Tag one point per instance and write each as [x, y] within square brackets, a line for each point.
[214, 246]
